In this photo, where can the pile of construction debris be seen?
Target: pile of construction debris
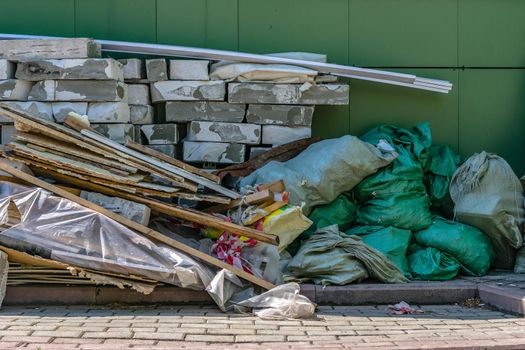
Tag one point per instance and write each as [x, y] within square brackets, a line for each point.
[128, 208]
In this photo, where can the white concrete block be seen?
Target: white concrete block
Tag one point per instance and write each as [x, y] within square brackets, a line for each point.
[278, 135]
[108, 112]
[189, 70]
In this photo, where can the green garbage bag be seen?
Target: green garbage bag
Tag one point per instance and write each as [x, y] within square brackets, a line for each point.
[441, 165]
[396, 194]
[332, 257]
[431, 264]
[467, 244]
[340, 211]
[393, 242]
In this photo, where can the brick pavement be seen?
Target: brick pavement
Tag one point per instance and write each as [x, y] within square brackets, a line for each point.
[205, 327]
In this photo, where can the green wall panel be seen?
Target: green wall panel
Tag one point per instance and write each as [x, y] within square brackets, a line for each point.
[492, 114]
[372, 104]
[403, 33]
[331, 121]
[491, 33]
[132, 20]
[295, 25]
[201, 23]
[38, 17]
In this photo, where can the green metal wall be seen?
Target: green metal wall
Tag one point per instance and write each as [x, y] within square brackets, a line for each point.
[479, 45]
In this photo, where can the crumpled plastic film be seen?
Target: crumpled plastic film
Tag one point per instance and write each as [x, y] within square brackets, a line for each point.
[81, 237]
[281, 302]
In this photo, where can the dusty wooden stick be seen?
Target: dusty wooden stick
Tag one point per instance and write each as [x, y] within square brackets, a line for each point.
[137, 227]
[159, 155]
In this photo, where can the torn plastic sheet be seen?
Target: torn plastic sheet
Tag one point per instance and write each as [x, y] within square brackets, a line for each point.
[81, 237]
[72, 234]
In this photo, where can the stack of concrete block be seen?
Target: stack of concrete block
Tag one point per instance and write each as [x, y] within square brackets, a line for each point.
[50, 78]
[170, 105]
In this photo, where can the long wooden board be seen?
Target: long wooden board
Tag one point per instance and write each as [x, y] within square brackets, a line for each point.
[163, 165]
[69, 149]
[175, 162]
[40, 168]
[168, 209]
[27, 122]
[137, 227]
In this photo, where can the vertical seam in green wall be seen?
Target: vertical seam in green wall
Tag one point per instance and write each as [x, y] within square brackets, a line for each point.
[157, 21]
[75, 17]
[348, 63]
[238, 25]
[206, 23]
[458, 71]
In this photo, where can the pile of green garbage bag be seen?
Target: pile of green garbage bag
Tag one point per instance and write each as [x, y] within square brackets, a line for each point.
[401, 214]
[396, 194]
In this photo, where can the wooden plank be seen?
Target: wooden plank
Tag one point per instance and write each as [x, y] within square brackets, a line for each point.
[163, 165]
[46, 169]
[267, 208]
[77, 159]
[276, 186]
[77, 166]
[170, 209]
[251, 199]
[26, 122]
[137, 227]
[175, 162]
[64, 147]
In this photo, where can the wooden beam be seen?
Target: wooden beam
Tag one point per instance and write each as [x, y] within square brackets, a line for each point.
[162, 165]
[62, 133]
[137, 227]
[175, 162]
[173, 210]
[251, 199]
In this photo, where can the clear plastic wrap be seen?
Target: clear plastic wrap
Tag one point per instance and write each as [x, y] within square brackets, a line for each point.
[81, 237]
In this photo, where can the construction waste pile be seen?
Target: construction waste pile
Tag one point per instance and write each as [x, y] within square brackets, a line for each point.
[203, 174]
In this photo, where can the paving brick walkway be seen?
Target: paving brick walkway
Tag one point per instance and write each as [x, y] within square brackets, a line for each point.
[194, 327]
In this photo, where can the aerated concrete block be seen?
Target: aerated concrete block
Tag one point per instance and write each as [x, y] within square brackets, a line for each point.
[70, 69]
[62, 109]
[48, 49]
[137, 212]
[138, 94]
[15, 90]
[305, 94]
[133, 68]
[280, 115]
[156, 69]
[108, 112]
[188, 90]
[278, 135]
[7, 133]
[160, 134]
[141, 114]
[205, 111]
[79, 90]
[255, 151]
[169, 150]
[41, 110]
[224, 132]
[7, 69]
[213, 152]
[117, 132]
[189, 70]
